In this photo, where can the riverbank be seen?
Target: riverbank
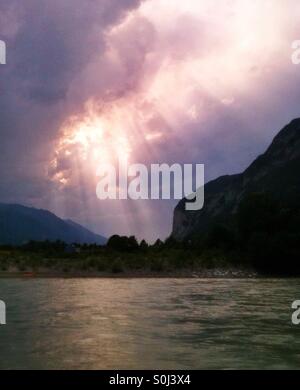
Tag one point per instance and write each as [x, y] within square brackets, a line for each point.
[179, 274]
[104, 262]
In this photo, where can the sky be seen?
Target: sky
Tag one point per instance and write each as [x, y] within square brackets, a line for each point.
[154, 81]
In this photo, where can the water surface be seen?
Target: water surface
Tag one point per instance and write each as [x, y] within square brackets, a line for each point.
[149, 324]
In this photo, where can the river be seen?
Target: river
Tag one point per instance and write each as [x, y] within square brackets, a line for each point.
[149, 324]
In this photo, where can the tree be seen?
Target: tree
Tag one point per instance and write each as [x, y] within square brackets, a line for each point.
[123, 243]
[143, 245]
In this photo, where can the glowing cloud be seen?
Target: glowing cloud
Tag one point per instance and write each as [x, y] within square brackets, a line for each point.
[168, 75]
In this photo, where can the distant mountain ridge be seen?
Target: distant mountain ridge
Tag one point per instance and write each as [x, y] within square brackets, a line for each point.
[275, 172]
[20, 224]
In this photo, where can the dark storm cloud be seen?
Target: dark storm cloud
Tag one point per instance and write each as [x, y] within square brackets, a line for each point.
[48, 43]
[55, 39]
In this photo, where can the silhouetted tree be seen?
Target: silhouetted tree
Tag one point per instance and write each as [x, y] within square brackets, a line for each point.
[123, 243]
[158, 244]
[143, 245]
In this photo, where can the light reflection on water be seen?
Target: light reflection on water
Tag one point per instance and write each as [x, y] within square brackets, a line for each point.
[149, 324]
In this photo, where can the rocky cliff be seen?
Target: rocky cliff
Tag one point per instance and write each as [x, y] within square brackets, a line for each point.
[276, 172]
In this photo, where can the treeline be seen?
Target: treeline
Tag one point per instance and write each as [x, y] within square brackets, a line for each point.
[121, 254]
[115, 243]
[264, 232]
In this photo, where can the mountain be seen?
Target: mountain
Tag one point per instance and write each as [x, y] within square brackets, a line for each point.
[20, 224]
[275, 173]
[86, 236]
